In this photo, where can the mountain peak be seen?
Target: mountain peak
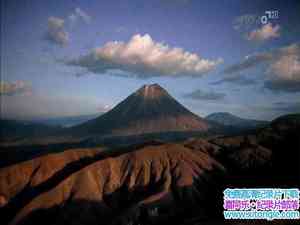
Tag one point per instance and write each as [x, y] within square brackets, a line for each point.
[229, 119]
[151, 109]
[152, 91]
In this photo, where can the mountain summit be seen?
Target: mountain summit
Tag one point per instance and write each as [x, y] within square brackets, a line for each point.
[152, 91]
[228, 119]
[151, 109]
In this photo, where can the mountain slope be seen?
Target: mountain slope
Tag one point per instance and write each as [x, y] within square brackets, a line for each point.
[168, 178]
[149, 110]
[228, 119]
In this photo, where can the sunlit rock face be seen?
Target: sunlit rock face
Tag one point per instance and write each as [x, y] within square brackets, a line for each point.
[66, 188]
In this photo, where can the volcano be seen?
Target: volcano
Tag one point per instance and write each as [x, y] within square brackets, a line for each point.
[151, 109]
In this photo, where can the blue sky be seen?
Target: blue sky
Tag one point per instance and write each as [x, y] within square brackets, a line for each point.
[55, 60]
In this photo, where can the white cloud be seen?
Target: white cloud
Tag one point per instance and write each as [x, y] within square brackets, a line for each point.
[207, 96]
[287, 67]
[266, 32]
[56, 31]
[283, 67]
[146, 58]
[18, 87]
[79, 14]
[284, 71]
[55, 23]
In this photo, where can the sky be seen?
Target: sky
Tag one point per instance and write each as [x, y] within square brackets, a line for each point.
[76, 57]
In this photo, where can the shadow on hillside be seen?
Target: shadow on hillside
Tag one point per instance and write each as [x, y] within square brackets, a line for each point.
[29, 193]
[206, 211]
[122, 206]
[10, 155]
